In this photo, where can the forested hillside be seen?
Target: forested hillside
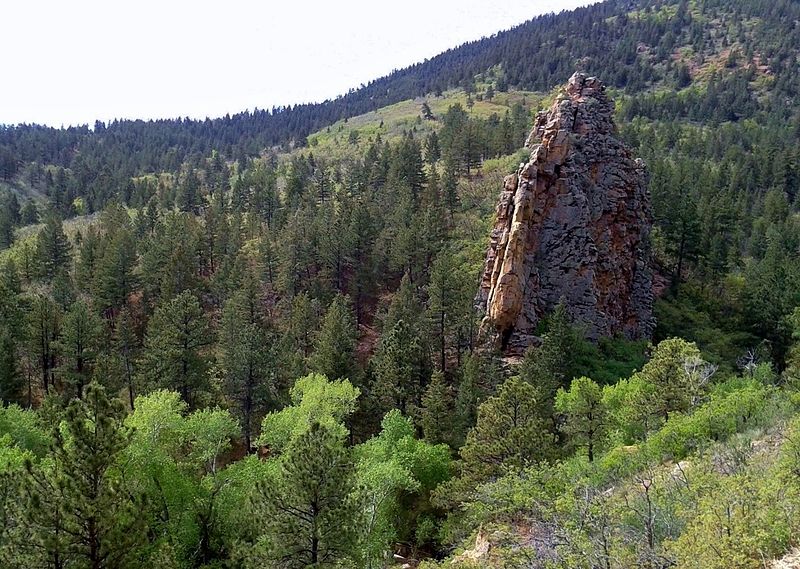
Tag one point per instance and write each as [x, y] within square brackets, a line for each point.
[652, 46]
[251, 341]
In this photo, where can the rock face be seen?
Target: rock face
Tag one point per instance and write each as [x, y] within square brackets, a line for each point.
[573, 224]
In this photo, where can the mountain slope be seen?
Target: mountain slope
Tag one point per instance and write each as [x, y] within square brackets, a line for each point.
[638, 46]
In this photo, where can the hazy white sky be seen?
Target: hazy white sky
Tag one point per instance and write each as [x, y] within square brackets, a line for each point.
[74, 61]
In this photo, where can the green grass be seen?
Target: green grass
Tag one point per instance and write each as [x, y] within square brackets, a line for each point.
[25, 237]
[391, 122]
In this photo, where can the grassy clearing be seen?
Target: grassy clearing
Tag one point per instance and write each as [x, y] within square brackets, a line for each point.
[390, 123]
[25, 238]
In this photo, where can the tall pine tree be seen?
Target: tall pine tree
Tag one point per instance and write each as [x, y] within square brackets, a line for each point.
[173, 345]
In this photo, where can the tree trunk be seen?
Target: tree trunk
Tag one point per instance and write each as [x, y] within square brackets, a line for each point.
[248, 410]
[129, 376]
[441, 340]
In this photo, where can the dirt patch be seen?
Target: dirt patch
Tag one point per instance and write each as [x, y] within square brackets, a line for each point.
[789, 561]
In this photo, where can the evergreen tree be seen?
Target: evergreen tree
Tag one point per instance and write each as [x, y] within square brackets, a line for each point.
[86, 263]
[63, 290]
[10, 288]
[450, 186]
[79, 344]
[400, 368]
[335, 345]
[188, 190]
[404, 306]
[30, 213]
[303, 321]
[126, 345]
[12, 333]
[437, 411]
[677, 215]
[585, 414]
[114, 279]
[77, 510]
[42, 334]
[426, 112]
[448, 305]
[6, 228]
[307, 510]
[9, 205]
[10, 378]
[406, 170]
[510, 433]
[172, 356]
[246, 356]
[52, 248]
[360, 257]
[551, 365]
[169, 258]
[678, 376]
[452, 138]
[477, 377]
[432, 149]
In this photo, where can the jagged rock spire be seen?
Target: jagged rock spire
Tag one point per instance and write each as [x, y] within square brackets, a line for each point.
[572, 224]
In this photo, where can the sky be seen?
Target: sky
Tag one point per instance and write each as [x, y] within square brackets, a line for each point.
[77, 61]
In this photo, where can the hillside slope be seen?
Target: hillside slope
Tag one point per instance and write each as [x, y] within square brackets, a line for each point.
[638, 46]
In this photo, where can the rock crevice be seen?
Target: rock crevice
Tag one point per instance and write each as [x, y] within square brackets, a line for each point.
[572, 224]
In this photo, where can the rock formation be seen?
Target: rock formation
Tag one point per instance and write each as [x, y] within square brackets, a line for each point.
[572, 224]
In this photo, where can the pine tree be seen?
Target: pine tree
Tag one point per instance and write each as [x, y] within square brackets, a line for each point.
[426, 112]
[11, 333]
[78, 511]
[88, 254]
[52, 248]
[551, 365]
[188, 190]
[585, 414]
[216, 231]
[10, 378]
[303, 321]
[406, 170]
[169, 257]
[360, 257]
[404, 306]
[400, 368]
[677, 374]
[246, 356]
[173, 357]
[126, 345]
[30, 213]
[468, 397]
[677, 216]
[510, 433]
[114, 278]
[63, 290]
[335, 345]
[446, 305]
[6, 228]
[432, 149]
[791, 374]
[437, 411]
[42, 334]
[451, 137]
[307, 510]
[79, 344]
[269, 259]
[450, 186]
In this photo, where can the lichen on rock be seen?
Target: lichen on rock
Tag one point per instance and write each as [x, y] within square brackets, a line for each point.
[572, 225]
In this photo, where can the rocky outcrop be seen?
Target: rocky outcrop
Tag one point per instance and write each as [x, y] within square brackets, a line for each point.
[572, 224]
